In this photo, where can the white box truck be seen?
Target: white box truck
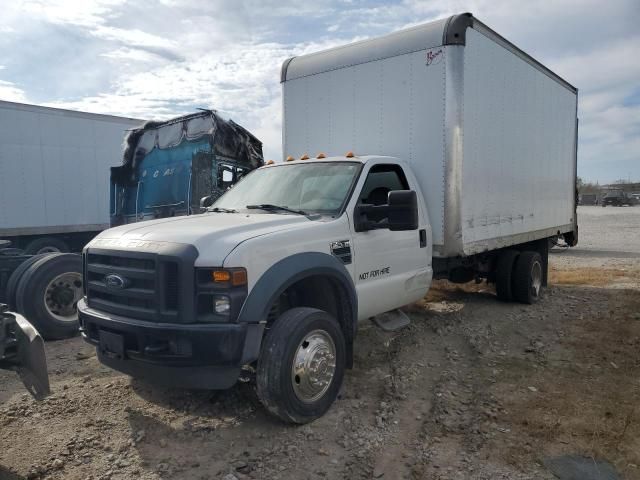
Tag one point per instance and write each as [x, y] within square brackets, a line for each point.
[54, 175]
[461, 165]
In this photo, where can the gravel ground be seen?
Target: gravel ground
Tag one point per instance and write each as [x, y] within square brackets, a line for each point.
[608, 237]
[474, 388]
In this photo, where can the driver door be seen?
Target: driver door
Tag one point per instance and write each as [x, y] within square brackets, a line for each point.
[391, 267]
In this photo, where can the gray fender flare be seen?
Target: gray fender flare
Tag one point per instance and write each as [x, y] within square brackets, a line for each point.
[282, 275]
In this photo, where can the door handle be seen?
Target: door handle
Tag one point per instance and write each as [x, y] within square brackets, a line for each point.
[423, 238]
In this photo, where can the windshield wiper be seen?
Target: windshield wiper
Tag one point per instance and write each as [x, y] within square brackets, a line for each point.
[221, 209]
[270, 206]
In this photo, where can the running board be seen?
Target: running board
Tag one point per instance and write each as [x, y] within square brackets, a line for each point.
[392, 321]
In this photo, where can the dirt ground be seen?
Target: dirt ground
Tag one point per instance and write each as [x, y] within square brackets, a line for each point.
[474, 388]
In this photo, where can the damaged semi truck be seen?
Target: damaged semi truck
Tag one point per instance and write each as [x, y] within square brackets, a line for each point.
[169, 167]
[461, 164]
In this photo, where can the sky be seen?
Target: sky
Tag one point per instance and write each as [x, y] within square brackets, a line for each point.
[162, 58]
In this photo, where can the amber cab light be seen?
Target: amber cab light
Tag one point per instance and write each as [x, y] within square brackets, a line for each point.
[349, 155]
[221, 276]
[290, 158]
[236, 277]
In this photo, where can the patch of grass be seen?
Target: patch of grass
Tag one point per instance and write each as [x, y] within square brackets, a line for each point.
[597, 277]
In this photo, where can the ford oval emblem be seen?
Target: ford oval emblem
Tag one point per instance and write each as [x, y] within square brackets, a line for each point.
[115, 281]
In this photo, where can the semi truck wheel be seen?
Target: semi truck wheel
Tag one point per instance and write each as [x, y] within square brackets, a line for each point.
[48, 294]
[527, 277]
[14, 279]
[46, 245]
[504, 274]
[301, 365]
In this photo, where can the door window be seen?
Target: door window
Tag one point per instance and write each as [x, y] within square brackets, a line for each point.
[380, 181]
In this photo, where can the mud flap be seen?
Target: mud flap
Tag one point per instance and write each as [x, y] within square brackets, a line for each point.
[22, 350]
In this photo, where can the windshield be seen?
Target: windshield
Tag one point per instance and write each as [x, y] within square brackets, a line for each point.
[312, 188]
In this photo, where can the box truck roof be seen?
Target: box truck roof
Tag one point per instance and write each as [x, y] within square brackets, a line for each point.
[446, 31]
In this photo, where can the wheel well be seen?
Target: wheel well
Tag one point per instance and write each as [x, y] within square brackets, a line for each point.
[324, 293]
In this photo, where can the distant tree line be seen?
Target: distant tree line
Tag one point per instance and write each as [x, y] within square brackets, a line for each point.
[589, 187]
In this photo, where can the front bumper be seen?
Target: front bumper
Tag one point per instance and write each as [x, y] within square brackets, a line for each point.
[207, 356]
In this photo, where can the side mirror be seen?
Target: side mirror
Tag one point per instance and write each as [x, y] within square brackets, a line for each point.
[206, 202]
[403, 210]
[400, 213]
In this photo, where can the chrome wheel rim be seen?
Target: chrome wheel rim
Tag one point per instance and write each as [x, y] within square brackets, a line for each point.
[61, 296]
[314, 366]
[536, 279]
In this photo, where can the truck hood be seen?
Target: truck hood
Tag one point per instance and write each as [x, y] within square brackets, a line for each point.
[215, 235]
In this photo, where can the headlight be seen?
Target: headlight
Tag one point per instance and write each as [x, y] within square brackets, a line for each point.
[220, 293]
[221, 304]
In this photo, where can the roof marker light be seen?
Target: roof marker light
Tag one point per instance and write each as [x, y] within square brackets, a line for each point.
[270, 162]
[304, 157]
[349, 154]
[321, 155]
[290, 158]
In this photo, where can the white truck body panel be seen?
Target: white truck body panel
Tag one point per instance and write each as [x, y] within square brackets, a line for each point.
[518, 170]
[489, 132]
[54, 168]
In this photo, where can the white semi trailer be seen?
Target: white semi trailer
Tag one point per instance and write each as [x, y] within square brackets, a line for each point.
[461, 164]
[54, 175]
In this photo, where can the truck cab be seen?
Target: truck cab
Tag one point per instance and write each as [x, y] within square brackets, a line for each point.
[169, 167]
[189, 301]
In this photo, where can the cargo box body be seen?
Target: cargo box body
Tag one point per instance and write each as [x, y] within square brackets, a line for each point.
[490, 133]
[54, 169]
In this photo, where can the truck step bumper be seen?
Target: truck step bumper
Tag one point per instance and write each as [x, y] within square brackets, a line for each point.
[201, 356]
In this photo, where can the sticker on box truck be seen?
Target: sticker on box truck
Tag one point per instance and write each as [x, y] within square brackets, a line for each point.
[434, 56]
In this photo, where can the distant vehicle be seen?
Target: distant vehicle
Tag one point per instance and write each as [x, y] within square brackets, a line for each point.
[619, 198]
[169, 167]
[588, 199]
[54, 170]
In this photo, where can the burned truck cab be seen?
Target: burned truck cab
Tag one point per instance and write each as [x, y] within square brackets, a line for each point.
[168, 167]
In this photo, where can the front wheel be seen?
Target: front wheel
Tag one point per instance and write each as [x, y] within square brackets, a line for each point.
[301, 365]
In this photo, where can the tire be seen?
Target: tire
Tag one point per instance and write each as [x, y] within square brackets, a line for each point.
[48, 293]
[504, 274]
[291, 396]
[527, 277]
[14, 279]
[46, 245]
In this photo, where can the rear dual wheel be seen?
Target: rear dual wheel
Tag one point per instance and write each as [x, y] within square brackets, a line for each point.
[519, 276]
[527, 279]
[48, 292]
[46, 245]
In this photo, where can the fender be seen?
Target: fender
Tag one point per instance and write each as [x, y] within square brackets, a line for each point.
[282, 275]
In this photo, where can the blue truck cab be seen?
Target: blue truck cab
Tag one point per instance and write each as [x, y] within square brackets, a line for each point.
[168, 167]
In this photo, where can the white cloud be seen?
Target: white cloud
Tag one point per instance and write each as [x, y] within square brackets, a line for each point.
[163, 58]
[11, 93]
